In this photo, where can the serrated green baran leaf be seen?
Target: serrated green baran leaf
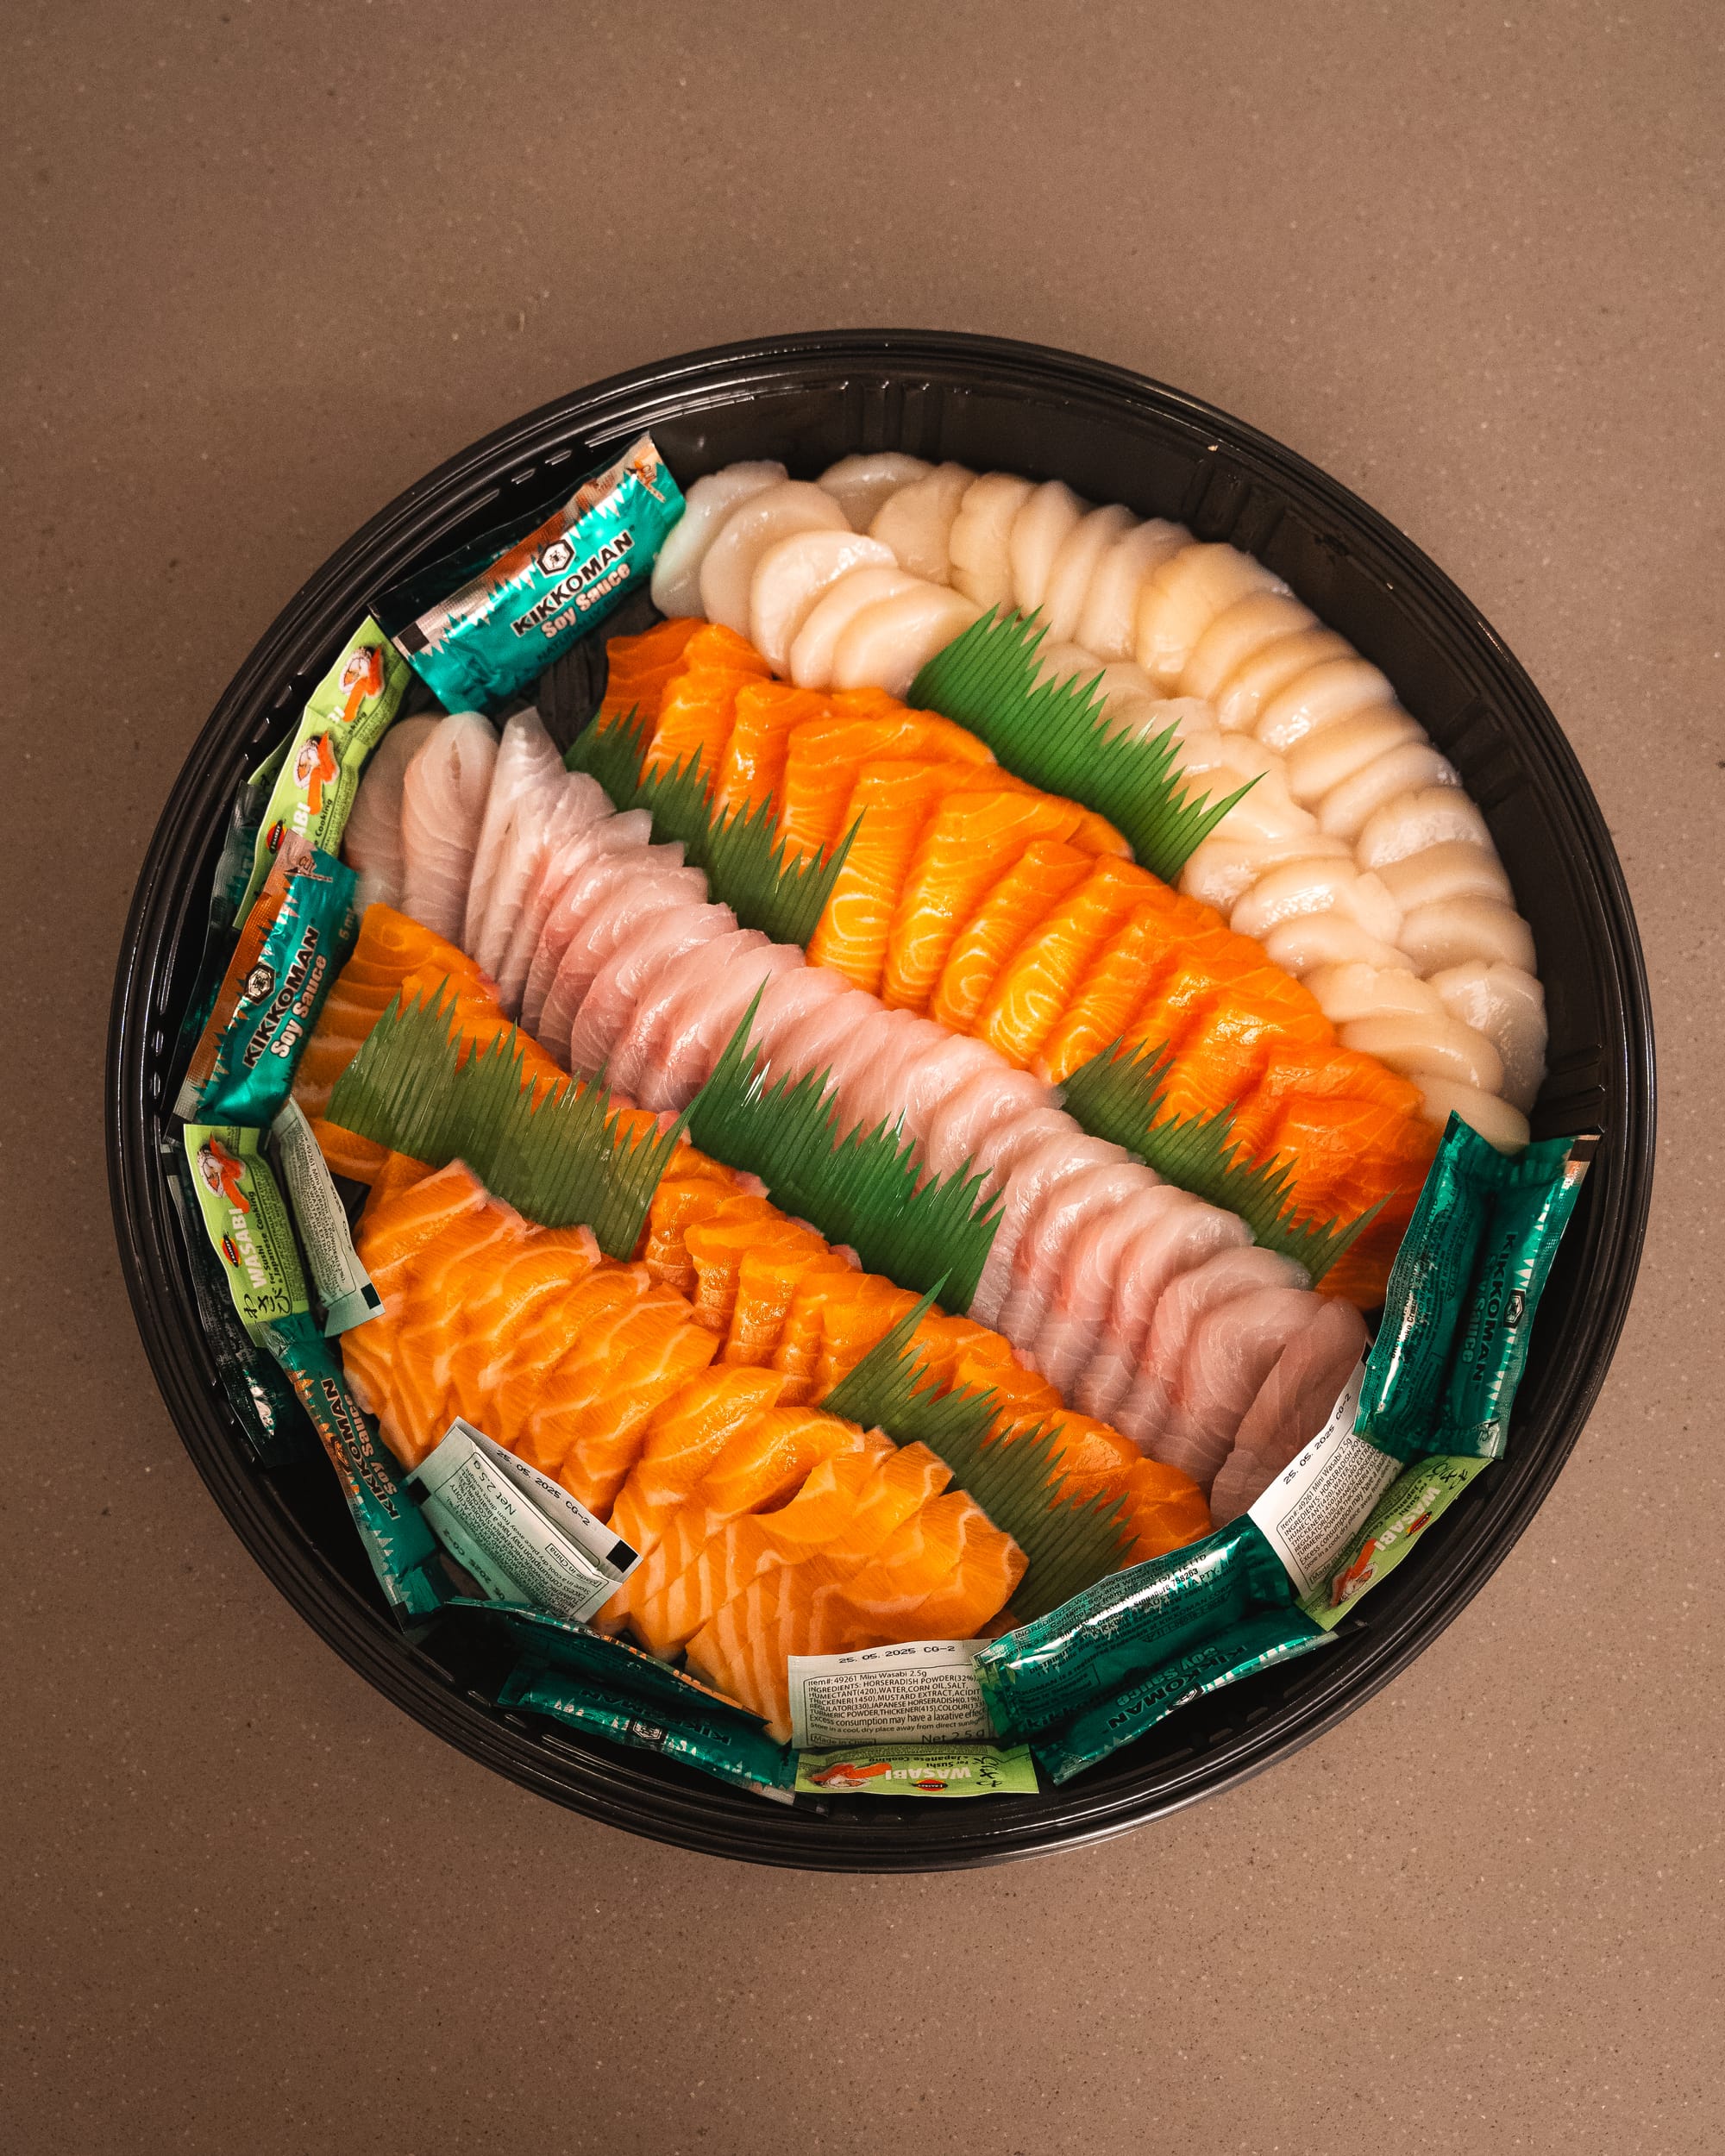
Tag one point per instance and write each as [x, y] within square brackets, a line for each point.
[745, 867]
[1053, 733]
[554, 1151]
[860, 1187]
[1119, 1095]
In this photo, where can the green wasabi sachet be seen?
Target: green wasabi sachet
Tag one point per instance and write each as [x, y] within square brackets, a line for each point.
[538, 594]
[248, 1228]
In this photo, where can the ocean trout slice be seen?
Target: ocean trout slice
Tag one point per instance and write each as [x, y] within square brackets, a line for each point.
[1038, 880]
[752, 768]
[1041, 978]
[767, 1280]
[698, 705]
[639, 667]
[822, 757]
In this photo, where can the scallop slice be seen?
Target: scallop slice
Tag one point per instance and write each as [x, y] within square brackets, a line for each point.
[790, 577]
[1238, 633]
[1068, 581]
[1509, 1006]
[1108, 623]
[1352, 991]
[1319, 885]
[916, 522]
[1197, 743]
[727, 569]
[1453, 869]
[676, 573]
[1320, 697]
[812, 647]
[979, 542]
[1414, 821]
[1496, 1121]
[1042, 527]
[1222, 871]
[1427, 1047]
[1456, 932]
[1269, 811]
[885, 646]
[859, 485]
[1065, 661]
[1250, 686]
[1312, 940]
[1183, 598]
[1346, 807]
[1330, 757]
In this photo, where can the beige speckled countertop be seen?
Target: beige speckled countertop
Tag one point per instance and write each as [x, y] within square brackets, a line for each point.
[266, 264]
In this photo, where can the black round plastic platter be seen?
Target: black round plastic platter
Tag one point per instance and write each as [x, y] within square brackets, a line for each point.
[1113, 436]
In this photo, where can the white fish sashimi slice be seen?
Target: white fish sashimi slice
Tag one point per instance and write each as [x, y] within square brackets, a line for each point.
[698, 1026]
[1333, 755]
[1348, 806]
[1173, 1241]
[1293, 1404]
[1233, 1349]
[630, 972]
[931, 1074]
[629, 896]
[527, 766]
[1428, 1047]
[581, 809]
[832, 613]
[1093, 1264]
[915, 522]
[868, 1068]
[1245, 692]
[1182, 598]
[1076, 565]
[1497, 1122]
[1321, 697]
[1509, 1006]
[790, 577]
[524, 854]
[727, 569]
[676, 573]
[1351, 991]
[1107, 621]
[1040, 1259]
[789, 999]
[443, 795]
[1414, 821]
[809, 1047]
[1013, 1138]
[1299, 946]
[1316, 886]
[630, 833]
[860, 484]
[1237, 634]
[372, 841]
[1031, 1179]
[973, 1109]
[1457, 931]
[1222, 871]
[1453, 869]
[1042, 527]
[886, 646]
[979, 542]
[1146, 1412]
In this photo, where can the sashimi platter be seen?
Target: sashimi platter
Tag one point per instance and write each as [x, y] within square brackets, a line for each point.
[873, 1113]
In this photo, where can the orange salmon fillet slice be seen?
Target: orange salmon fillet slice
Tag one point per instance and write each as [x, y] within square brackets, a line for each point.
[822, 757]
[1039, 880]
[639, 667]
[752, 768]
[1040, 979]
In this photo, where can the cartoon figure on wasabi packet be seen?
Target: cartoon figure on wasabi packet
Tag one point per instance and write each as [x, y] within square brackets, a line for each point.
[846, 1774]
[1356, 1577]
[362, 677]
[314, 767]
[224, 1173]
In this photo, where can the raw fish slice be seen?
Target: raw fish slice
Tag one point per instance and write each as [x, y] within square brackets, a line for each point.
[1231, 1276]
[860, 484]
[1076, 566]
[637, 1058]
[1428, 1047]
[1032, 1178]
[372, 841]
[992, 1097]
[790, 577]
[1045, 874]
[1008, 1140]
[1509, 1006]
[433, 1319]
[753, 765]
[1497, 1121]
[1108, 623]
[1317, 887]
[1346, 809]
[1138, 955]
[528, 768]
[1453, 869]
[979, 543]
[727, 569]
[583, 874]
[1270, 810]
[1329, 758]
[523, 854]
[1237, 634]
[391, 949]
[697, 710]
[1222, 871]
[708, 1010]
[1302, 945]
[914, 523]
[857, 1057]
[653, 1356]
[1092, 1265]
[638, 668]
[1453, 932]
[1321, 698]
[1050, 515]
[1041, 979]
[889, 804]
[1179, 601]
[521, 1389]
[397, 1225]
[1411, 822]
[717, 1248]
[1292, 1404]
[789, 999]
[1170, 1243]
[1232, 1349]
[809, 1047]
[933, 1068]
[832, 613]
[876, 1084]
[1243, 695]
[628, 897]
[683, 1438]
[652, 944]
[683, 1201]
[767, 1281]
[1164, 1510]
[1039, 1260]
[579, 810]
[966, 846]
[548, 1264]
[676, 574]
[887, 645]
[443, 797]
[943, 1574]
[834, 1320]
[825, 757]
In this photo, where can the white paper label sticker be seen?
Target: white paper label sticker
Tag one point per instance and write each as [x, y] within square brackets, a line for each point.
[1314, 1507]
[922, 1691]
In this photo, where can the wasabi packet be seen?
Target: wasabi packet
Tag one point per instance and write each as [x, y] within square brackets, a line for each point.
[537, 593]
[293, 942]
[345, 717]
[248, 1228]
[342, 1285]
[922, 1771]
[1435, 1391]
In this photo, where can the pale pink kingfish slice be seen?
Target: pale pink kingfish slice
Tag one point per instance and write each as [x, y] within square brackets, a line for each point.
[372, 840]
[628, 898]
[627, 974]
[528, 766]
[443, 795]
[580, 808]
[698, 1026]
[1293, 1404]
[1040, 1257]
[629, 833]
[1028, 1182]
[1171, 1243]
[1148, 1408]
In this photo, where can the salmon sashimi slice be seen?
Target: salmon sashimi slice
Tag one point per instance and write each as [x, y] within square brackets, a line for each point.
[389, 948]
[397, 1225]
[824, 756]
[549, 1265]
[942, 1575]
[589, 1313]
[717, 1249]
[1139, 954]
[1164, 1510]
[854, 1312]
[654, 1354]
[683, 1438]
[638, 668]
[414, 1419]
[1180, 994]
[1041, 978]
[751, 771]
[767, 1279]
[680, 1201]
[1096, 834]
[966, 845]
[698, 705]
[1037, 881]
[889, 804]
